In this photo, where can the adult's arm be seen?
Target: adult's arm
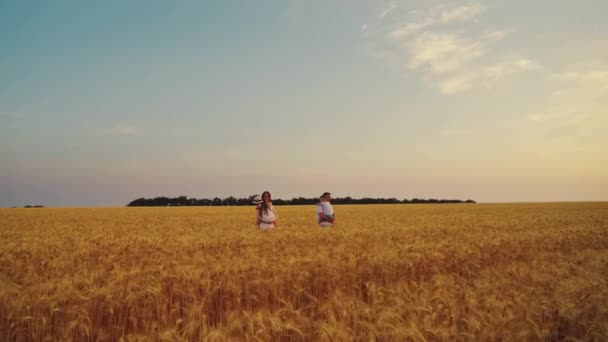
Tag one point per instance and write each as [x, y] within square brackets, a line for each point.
[325, 218]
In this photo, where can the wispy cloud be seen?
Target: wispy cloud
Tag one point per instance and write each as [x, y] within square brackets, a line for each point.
[451, 59]
[485, 76]
[391, 6]
[129, 130]
[462, 13]
[575, 117]
[457, 83]
[436, 16]
[442, 52]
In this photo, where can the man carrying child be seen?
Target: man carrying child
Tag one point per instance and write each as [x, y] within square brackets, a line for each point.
[325, 212]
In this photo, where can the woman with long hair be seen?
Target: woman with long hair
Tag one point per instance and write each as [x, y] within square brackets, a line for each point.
[266, 213]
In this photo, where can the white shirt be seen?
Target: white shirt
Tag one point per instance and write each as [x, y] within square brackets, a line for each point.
[268, 216]
[325, 208]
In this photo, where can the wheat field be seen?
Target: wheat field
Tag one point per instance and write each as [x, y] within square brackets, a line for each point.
[384, 273]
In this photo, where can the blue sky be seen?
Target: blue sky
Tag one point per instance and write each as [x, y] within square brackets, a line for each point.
[101, 103]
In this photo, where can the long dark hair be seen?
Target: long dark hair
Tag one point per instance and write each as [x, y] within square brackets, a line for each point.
[264, 206]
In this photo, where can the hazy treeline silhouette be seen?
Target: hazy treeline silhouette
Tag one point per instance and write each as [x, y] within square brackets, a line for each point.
[233, 201]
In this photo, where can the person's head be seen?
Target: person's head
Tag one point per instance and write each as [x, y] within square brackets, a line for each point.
[266, 199]
[326, 197]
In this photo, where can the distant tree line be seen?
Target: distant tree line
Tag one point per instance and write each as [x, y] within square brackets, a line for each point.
[233, 201]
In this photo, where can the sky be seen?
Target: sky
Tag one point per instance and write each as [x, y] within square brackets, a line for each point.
[497, 101]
